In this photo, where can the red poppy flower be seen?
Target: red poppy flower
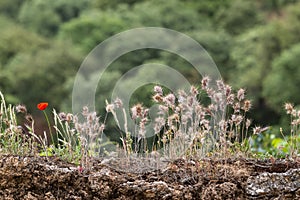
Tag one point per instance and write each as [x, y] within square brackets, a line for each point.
[42, 106]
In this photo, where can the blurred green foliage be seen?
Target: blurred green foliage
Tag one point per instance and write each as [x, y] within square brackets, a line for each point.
[255, 44]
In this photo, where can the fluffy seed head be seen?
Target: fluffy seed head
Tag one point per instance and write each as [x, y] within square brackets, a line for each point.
[223, 125]
[85, 110]
[205, 83]
[247, 105]
[170, 99]
[110, 107]
[69, 117]
[62, 116]
[230, 99]
[257, 130]
[101, 128]
[218, 97]
[118, 102]
[220, 85]
[240, 94]
[137, 111]
[194, 91]
[289, 108]
[159, 123]
[157, 98]
[21, 109]
[29, 118]
[158, 90]
[237, 119]
[237, 107]
[248, 123]
[227, 90]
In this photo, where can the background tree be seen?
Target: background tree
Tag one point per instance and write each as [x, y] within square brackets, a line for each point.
[255, 45]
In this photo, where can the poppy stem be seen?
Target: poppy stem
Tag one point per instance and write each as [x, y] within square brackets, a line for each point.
[47, 119]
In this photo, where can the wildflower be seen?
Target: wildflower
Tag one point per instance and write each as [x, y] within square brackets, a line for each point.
[21, 109]
[42, 106]
[240, 94]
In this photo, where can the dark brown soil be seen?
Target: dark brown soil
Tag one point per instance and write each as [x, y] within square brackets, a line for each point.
[51, 178]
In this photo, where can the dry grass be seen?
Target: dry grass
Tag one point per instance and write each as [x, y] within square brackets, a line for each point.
[210, 121]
